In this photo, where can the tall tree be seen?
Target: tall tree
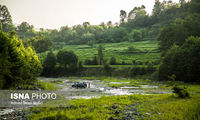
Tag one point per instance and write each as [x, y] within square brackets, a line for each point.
[49, 64]
[103, 25]
[5, 19]
[100, 55]
[86, 24]
[18, 65]
[137, 12]
[109, 24]
[157, 8]
[123, 16]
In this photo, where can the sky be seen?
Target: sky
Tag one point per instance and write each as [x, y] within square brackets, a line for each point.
[53, 14]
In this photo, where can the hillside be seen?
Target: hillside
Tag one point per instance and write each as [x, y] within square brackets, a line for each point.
[144, 51]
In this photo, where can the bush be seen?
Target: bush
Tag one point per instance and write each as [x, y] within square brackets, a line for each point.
[123, 63]
[132, 49]
[150, 67]
[88, 62]
[181, 91]
[67, 58]
[113, 61]
[107, 69]
[134, 62]
[91, 62]
[135, 35]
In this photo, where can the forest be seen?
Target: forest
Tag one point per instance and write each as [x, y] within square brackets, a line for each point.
[162, 48]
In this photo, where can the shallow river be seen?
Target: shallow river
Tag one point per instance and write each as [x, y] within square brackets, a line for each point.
[97, 88]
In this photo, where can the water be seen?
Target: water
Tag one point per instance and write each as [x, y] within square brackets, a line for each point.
[98, 88]
[148, 86]
[6, 111]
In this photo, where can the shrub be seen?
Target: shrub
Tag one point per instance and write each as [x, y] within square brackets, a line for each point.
[135, 35]
[113, 61]
[134, 62]
[107, 69]
[88, 62]
[132, 49]
[123, 63]
[181, 91]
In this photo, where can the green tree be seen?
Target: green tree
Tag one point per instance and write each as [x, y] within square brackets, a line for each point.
[118, 34]
[100, 55]
[5, 19]
[40, 43]
[102, 24]
[67, 58]
[178, 31]
[157, 8]
[182, 61]
[80, 66]
[18, 65]
[150, 68]
[113, 61]
[88, 38]
[135, 35]
[137, 12]
[107, 69]
[109, 24]
[24, 30]
[194, 6]
[123, 16]
[91, 43]
[95, 60]
[49, 64]
[86, 24]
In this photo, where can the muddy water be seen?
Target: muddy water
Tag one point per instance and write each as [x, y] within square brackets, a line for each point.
[97, 88]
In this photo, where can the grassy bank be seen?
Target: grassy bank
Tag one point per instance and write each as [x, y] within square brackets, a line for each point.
[165, 107]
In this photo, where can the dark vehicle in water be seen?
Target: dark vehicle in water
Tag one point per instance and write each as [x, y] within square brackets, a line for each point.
[80, 85]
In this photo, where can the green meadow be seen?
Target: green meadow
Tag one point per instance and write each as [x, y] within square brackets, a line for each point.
[128, 107]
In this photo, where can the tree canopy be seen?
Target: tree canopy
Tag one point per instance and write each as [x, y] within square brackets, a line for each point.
[182, 61]
[67, 58]
[18, 65]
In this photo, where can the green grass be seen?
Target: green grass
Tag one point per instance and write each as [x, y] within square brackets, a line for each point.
[148, 50]
[156, 107]
[56, 81]
[47, 86]
[134, 83]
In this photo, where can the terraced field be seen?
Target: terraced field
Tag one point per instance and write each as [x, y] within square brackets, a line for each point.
[145, 51]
